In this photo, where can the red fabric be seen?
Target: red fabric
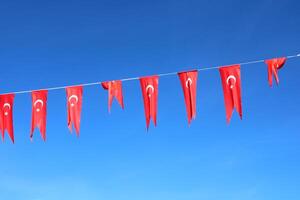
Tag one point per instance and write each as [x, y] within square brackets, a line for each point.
[6, 115]
[39, 112]
[149, 86]
[189, 86]
[273, 66]
[74, 104]
[114, 90]
[231, 81]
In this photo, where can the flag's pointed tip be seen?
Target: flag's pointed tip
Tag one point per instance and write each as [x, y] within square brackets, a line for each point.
[227, 121]
[190, 120]
[77, 134]
[70, 128]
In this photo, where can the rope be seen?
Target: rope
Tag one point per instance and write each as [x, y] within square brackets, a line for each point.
[136, 78]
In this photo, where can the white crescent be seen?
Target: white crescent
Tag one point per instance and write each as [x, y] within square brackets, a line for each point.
[231, 77]
[6, 105]
[73, 97]
[188, 82]
[36, 102]
[150, 87]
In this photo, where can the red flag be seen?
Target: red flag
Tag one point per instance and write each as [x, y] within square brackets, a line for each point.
[231, 81]
[149, 86]
[6, 115]
[189, 85]
[74, 98]
[114, 90]
[273, 66]
[39, 112]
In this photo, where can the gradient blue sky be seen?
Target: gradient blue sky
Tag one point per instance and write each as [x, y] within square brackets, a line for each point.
[59, 42]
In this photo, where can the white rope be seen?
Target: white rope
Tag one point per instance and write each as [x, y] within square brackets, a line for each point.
[136, 78]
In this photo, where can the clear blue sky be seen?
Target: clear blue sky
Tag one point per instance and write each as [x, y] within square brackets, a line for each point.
[52, 43]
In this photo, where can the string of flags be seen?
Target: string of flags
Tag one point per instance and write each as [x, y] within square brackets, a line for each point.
[231, 82]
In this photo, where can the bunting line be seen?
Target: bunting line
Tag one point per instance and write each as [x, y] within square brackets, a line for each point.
[136, 78]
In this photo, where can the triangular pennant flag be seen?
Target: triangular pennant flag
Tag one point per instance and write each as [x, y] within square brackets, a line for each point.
[114, 91]
[74, 104]
[231, 81]
[39, 112]
[189, 86]
[6, 115]
[273, 66]
[149, 86]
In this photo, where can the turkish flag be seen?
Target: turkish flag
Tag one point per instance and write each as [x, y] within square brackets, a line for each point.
[273, 66]
[231, 81]
[149, 86]
[114, 90]
[6, 115]
[74, 104]
[189, 86]
[39, 112]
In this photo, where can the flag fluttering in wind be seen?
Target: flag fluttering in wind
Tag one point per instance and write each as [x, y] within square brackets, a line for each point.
[273, 66]
[114, 91]
[39, 112]
[74, 105]
[231, 81]
[6, 115]
[189, 86]
[149, 86]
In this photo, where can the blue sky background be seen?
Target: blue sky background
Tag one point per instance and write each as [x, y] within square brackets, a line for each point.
[53, 43]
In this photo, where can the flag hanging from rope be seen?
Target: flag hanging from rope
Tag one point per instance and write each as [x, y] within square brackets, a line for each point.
[114, 91]
[6, 115]
[273, 66]
[39, 112]
[231, 81]
[149, 86]
[74, 105]
[189, 86]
